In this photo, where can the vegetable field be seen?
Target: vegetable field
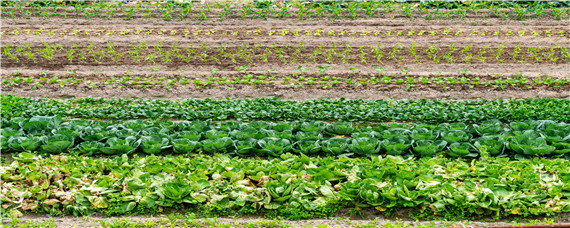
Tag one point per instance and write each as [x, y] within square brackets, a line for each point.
[289, 110]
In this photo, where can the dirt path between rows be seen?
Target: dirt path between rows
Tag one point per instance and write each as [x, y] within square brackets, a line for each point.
[95, 221]
[289, 94]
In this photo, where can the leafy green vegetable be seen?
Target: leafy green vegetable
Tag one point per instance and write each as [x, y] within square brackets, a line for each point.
[312, 126]
[529, 145]
[454, 136]
[364, 146]
[396, 145]
[216, 145]
[334, 146]
[56, 144]
[89, 148]
[460, 150]
[121, 145]
[340, 128]
[493, 144]
[274, 109]
[424, 134]
[309, 147]
[428, 148]
[190, 135]
[301, 183]
[526, 125]
[488, 127]
[22, 143]
[154, 144]
[184, 146]
[308, 135]
[40, 125]
[245, 147]
[274, 147]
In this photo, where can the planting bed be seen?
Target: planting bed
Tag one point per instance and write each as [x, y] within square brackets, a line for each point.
[384, 57]
[290, 110]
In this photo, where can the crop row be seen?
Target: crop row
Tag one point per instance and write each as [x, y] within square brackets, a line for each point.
[294, 81]
[267, 139]
[293, 53]
[293, 186]
[273, 109]
[266, 9]
[292, 33]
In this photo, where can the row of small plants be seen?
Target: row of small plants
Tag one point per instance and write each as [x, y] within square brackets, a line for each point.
[295, 33]
[289, 53]
[267, 139]
[265, 10]
[351, 80]
[293, 187]
[274, 109]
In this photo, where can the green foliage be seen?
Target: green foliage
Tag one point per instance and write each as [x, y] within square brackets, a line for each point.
[428, 148]
[315, 138]
[306, 186]
[273, 109]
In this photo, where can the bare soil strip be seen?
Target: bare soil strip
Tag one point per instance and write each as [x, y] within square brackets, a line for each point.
[95, 221]
[289, 94]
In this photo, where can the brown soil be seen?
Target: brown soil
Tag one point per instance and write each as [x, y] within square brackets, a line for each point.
[290, 94]
[472, 30]
[341, 221]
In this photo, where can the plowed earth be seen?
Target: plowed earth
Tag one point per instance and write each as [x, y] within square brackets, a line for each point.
[475, 55]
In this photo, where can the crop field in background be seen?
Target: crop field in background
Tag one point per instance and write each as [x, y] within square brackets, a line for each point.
[307, 113]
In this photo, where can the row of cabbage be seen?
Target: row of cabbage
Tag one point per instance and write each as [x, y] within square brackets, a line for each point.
[269, 139]
[292, 186]
[274, 109]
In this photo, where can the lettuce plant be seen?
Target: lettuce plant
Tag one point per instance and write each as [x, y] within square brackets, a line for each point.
[460, 150]
[184, 145]
[424, 134]
[308, 135]
[308, 147]
[340, 128]
[312, 126]
[283, 126]
[23, 143]
[245, 147]
[428, 148]
[89, 148]
[454, 136]
[334, 146]
[529, 146]
[96, 133]
[493, 144]
[56, 144]
[397, 145]
[274, 147]
[524, 126]
[121, 145]
[154, 144]
[487, 127]
[365, 146]
[191, 135]
[216, 134]
[216, 145]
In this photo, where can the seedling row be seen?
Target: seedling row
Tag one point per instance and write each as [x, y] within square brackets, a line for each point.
[294, 53]
[339, 10]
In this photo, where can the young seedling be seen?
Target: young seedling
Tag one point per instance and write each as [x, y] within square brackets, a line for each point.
[323, 69]
[242, 68]
[379, 70]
